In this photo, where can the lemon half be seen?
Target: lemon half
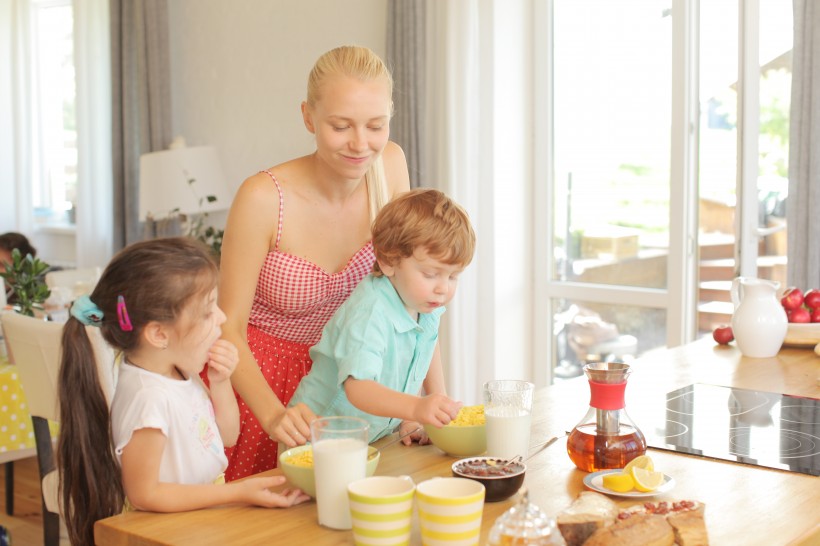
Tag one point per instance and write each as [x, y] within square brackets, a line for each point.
[619, 481]
[646, 480]
[641, 461]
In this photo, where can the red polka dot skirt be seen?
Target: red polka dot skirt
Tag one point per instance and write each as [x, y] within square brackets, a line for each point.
[284, 364]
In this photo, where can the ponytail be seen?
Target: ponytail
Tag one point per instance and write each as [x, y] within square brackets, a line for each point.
[90, 478]
[376, 183]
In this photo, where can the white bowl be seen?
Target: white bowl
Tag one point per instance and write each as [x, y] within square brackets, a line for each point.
[802, 334]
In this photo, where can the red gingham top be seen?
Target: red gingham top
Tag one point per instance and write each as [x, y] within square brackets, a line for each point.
[294, 297]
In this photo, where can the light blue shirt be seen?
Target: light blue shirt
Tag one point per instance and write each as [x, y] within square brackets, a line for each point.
[371, 336]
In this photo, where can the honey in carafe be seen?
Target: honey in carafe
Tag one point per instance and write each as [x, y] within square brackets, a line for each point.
[606, 437]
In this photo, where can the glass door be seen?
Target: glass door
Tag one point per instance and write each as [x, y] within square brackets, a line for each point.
[651, 163]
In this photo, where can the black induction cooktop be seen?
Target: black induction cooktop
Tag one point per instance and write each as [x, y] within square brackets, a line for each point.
[753, 427]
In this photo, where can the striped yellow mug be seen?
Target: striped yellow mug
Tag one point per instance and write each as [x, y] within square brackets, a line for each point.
[381, 508]
[450, 511]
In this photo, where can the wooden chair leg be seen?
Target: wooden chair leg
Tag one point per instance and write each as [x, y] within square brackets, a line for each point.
[10, 488]
[45, 462]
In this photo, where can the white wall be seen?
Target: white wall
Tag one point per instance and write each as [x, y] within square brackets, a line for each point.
[239, 72]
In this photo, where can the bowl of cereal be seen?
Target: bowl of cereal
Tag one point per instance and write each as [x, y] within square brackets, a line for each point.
[297, 466]
[464, 436]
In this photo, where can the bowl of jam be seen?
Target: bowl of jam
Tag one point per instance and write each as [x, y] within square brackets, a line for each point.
[501, 479]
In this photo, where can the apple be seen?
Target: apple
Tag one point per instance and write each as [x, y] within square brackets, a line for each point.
[801, 314]
[792, 298]
[815, 315]
[812, 298]
[723, 334]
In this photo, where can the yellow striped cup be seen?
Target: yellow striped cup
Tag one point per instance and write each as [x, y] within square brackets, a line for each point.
[450, 511]
[381, 508]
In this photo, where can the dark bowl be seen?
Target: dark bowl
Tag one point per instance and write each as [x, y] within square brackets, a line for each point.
[499, 482]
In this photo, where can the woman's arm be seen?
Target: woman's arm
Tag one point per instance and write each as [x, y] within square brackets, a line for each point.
[140, 478]
[250, 229]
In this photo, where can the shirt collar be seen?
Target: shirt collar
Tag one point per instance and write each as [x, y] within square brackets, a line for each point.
[396, 312]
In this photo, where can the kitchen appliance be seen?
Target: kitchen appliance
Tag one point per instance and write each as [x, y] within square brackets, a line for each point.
[739, 425]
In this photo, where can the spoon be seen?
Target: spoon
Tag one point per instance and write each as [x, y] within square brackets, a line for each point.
[544, 445]
[405, 435]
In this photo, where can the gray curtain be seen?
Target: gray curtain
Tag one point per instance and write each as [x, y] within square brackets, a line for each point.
[141, 105]
[803, 205]
[406, 59]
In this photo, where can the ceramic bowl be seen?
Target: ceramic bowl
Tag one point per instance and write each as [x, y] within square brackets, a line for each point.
[459, 441]
[302, 476]
[803, 334]
[499, 483]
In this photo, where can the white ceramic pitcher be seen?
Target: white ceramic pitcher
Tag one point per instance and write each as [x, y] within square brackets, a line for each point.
[759, 322]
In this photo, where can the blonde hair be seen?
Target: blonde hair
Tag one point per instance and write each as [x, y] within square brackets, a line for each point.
[363, 64]
[422, 218]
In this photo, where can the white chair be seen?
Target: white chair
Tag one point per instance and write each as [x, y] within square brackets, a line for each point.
[80, 281]
[34, 346]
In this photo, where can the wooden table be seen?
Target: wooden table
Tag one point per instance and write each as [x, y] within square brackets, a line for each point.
[744, 504]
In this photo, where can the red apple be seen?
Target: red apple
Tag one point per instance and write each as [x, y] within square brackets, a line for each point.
[812, 298]
[801, 314]
[792, 298]
[815, 315]
[723, 334]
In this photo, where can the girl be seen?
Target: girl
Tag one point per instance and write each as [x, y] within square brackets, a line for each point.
[297, 242]
[162, 445]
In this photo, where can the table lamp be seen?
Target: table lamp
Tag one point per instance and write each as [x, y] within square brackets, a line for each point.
[181, 180]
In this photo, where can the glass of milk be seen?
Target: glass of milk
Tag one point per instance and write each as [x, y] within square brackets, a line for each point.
[339, 458]
[508, 410]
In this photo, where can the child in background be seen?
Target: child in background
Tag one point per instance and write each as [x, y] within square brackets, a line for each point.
[162, 445]
[378, 350]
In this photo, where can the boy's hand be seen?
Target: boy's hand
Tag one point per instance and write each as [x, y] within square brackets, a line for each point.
[436, 409]
[292, 427]
[223, 357]
[256, 491]
[420, 436]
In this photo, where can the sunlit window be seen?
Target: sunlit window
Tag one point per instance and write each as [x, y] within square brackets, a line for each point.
[54, 135]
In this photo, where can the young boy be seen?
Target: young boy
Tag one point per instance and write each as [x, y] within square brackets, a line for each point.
[380, 348]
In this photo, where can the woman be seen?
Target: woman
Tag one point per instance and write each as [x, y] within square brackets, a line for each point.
[297, 242]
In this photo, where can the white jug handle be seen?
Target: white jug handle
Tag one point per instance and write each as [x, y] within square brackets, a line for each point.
[735, 291]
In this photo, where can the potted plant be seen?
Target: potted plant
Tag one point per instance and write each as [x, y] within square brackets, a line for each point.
[24, 275]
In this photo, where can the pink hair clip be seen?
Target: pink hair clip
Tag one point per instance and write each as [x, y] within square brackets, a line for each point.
[122, 315]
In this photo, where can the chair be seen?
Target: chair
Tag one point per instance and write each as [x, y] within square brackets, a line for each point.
[80, 281]
[34, 346]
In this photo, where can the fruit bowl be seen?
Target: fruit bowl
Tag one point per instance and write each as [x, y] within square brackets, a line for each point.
[500, 481]
[802, 334]
[301, 475]
[459, 441]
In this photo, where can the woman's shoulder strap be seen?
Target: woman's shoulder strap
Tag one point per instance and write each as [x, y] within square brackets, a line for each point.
[281, 208]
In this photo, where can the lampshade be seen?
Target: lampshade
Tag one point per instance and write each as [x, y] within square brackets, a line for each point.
[164, 182]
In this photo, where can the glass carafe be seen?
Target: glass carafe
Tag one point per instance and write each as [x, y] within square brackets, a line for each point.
[606, 437]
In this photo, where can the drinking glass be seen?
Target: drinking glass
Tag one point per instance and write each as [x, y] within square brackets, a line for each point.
[339, 458]
[508, 410]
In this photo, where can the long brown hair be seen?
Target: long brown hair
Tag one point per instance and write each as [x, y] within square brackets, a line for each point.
[156, 279]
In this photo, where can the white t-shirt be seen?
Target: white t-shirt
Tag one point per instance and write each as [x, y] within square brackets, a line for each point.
[182, 410]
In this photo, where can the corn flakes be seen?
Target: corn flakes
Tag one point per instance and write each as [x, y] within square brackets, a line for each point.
[469, 416]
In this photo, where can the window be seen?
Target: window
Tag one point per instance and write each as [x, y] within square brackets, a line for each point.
[54, 128]
[640, 152]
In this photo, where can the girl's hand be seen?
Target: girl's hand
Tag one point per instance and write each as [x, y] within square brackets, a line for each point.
[292, 427]
[223, 357]
[420, 436]
[256, 491]
[436, 409]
